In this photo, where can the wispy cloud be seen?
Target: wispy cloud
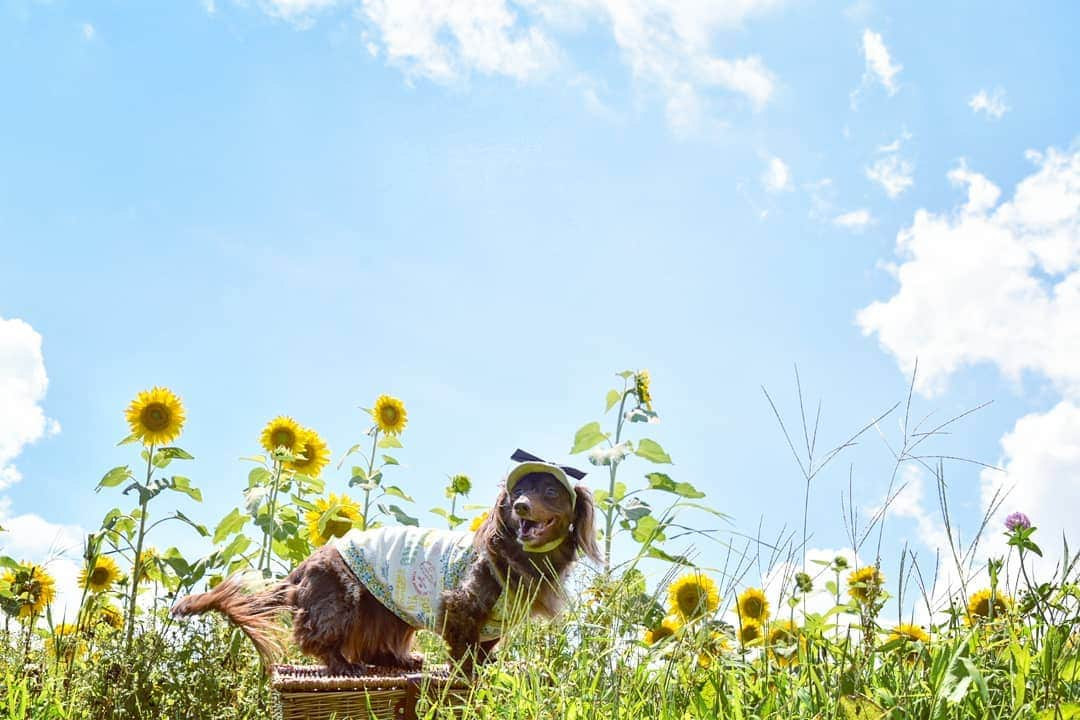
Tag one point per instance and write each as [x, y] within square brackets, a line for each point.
[855, 220]
[777, 176]
[879, 64]
[894, 173]
[993, 104]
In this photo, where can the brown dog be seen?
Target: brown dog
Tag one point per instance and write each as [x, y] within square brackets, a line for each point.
[361, 599]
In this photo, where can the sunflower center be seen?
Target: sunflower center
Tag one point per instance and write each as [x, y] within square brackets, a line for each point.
[389, 414]
[661, 632]
[283, 437]
[155, 417]
[305, 461]
[691, 601]
[752, 607]
[99, 576]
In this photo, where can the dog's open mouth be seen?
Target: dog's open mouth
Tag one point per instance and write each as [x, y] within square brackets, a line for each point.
[533, 531]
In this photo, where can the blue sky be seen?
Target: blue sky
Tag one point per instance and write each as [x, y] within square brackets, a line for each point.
[487, 208]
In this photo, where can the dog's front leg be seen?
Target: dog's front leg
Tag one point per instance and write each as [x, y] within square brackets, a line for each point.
[464, 611]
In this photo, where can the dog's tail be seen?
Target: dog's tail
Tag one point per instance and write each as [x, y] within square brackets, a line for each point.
[257, 614]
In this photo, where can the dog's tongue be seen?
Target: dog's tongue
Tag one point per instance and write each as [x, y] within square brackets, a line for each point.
[529, 528]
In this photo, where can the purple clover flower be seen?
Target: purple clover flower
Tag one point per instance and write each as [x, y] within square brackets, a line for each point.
[1017, 520]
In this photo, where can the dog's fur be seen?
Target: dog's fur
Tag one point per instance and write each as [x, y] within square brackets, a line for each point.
[337, 620]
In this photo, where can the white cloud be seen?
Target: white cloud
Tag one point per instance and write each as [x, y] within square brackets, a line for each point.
[990, 283]
[892, 172]
[879, 65]
[1042, 478]
[855, 220]
[88, 31]
[23, 382]
[666, 44]
[992, 104]
[777, 176]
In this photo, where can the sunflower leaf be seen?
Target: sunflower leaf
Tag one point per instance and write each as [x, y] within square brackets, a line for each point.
[613, 397]
[651, 451]
[626, 374]
[390, 441]
[176, 453]
[232, 523]
[390, 460]
[201, 529]
[133, 438]
[587, 437]
[182, 484]
[400, 515]
[660, 481]
[647, 530]
[397, 492]
[114, 477]
[655, 552]
[260, 459]
[259, 476]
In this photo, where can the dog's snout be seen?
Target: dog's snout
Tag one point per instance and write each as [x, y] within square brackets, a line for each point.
[521, 506]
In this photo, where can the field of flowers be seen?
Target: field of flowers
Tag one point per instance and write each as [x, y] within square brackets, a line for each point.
[706, 641]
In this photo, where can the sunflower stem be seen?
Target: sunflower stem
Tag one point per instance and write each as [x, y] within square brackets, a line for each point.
[370, 469]
[268, 534]
[609, 512]
[144, 499]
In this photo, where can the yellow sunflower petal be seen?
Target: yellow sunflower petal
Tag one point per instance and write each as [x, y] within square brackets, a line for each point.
[31, 588]
[282, 431]
[980, 606]
[101, 575]
[156, 416]
[693, 596]
[865, 584]
[753, 605]
[347, 516]
[390, 415]
[315, 454]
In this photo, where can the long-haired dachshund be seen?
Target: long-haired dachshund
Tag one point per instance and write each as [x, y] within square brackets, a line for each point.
[360, 599]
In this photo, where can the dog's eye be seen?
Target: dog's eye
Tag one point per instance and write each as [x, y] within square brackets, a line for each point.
[551, 492]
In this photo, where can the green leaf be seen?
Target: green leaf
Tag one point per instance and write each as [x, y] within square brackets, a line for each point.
[259, 476]
[858, 707]
[114, 477]
[1066, 711]
[390, 441]
[239, 544]
[647, 529]
[133, 438]
[231, 523]
[587, 437]
[660, 481]
[655, 552]
[260, 459]
[400, 515]
[626, 374]
[620, 491]
[182, 484]
[651, 451]
[201, 529]
[613, 398]
[387, 459]
[175, 453]
[636, 509]
[397, 492]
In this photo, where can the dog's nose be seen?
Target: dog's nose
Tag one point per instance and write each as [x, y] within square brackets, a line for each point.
[521, 507]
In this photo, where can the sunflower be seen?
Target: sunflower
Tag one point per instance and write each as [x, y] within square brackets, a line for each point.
[282, 431]
[347, 515]
[478, 521]
[316, 454]
[109, 616]
[156, 416]
[716, 645]
[32, 589]
[753, 605]
[694, 595]
[865, 584]
[750, 633]
[667, 628]
[784, 636]
[101, 575]
[149, 570]
[909, 634]
[980, 606]
[389, 414]
[63, 643]
[641, 388]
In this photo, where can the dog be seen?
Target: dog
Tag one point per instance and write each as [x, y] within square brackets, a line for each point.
[359, 601]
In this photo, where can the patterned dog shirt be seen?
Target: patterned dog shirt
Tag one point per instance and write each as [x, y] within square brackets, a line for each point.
[406, 569]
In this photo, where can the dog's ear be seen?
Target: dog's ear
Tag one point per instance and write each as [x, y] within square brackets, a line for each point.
[494, 524]
[584, 524]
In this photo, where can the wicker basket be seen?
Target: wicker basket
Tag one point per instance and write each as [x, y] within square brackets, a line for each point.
[309, 692]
